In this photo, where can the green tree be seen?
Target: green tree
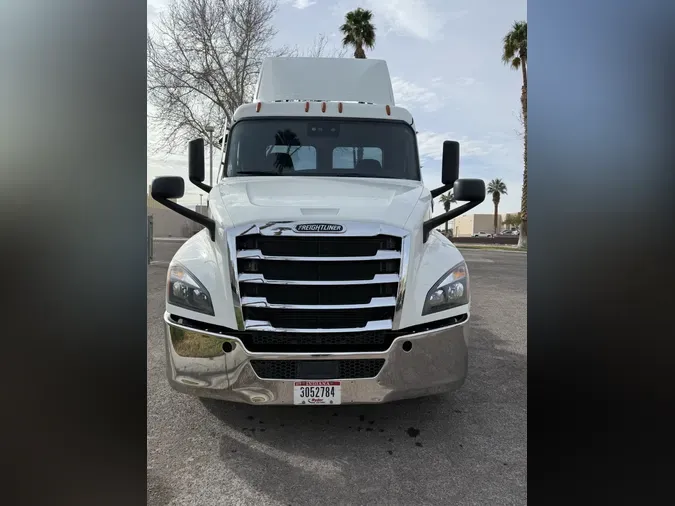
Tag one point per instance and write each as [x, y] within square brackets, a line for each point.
[514, 54]
[508, 221]
[447, 200]
[358, 31]
[517, 220]
[512, 220]
[496, 188]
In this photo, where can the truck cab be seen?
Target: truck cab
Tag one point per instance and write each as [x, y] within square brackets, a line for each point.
[320, 277]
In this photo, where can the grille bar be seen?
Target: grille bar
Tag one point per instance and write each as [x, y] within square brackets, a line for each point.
[376, 280]
[319, 319]
[318, 294]
[262, 303]
[267, 326]
[257, 254]
[318, 270]
[321, 246]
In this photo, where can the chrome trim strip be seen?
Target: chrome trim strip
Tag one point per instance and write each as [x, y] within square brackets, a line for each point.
[231, 235]
[403, 273]
[321, 355]
[266, 326]
[256, 254]
[259, 278]
[262, 302]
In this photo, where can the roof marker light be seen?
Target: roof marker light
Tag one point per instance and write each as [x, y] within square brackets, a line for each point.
[340, 107]
[388, 111]
[257, 107]
[323, 107]
[306, 106]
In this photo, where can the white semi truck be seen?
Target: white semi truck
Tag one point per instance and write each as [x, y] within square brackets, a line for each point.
[320, 277]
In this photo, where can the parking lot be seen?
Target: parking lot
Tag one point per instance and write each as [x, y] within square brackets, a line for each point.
[464, 448]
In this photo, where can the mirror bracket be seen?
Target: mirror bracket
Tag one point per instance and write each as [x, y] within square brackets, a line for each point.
[207, 222]
[441, 190]
[432, 223]
[201, 185]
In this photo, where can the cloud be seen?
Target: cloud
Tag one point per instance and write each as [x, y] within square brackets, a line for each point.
[410, 95]
[413, 17]
[439, 94]
[465, 81]
[430, 145]
[299, 4]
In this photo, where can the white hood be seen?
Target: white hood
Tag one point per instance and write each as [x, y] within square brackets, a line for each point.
[253, 199]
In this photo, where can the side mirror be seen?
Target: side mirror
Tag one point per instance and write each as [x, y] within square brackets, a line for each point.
[196, 164]
[196, 158]
[471, 190]
[167, 187]
[450, 164]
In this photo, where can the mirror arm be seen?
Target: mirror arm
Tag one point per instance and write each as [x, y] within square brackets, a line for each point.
[432, 223]
[441, 190]
[190, 214]
[201, 185]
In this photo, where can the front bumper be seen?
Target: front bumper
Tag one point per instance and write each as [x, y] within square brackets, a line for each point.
[197, 365]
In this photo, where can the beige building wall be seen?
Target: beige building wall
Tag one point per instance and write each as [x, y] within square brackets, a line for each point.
[467, 225]
[463, 225]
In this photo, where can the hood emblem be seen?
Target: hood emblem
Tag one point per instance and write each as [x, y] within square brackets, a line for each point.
[319, 227]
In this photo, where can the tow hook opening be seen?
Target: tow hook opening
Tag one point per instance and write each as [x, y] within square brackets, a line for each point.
[228, 346]
[407, 346]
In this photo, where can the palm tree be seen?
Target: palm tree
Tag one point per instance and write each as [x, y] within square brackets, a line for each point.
[515, 54]
[447, 199]
[358, 31]
[497, 188]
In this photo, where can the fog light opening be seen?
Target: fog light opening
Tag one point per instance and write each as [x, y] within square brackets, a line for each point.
[228, 346]
[407, 346]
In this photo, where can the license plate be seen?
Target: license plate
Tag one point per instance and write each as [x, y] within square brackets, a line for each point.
[317, 392]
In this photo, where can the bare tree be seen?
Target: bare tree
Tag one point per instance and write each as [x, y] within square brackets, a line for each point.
[320, 49]
[204, 57]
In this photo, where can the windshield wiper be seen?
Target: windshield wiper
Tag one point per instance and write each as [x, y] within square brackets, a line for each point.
[256, 173]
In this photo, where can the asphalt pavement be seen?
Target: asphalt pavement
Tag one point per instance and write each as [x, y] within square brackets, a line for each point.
[464, 448]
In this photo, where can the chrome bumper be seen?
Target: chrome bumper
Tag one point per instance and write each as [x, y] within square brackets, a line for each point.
[197, 365]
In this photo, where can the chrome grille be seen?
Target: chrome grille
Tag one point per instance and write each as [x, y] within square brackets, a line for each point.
[306, 282]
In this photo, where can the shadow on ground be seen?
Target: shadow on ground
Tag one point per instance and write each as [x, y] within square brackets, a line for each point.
[389, 453]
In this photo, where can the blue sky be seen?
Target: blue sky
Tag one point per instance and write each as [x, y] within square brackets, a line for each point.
[444, 58]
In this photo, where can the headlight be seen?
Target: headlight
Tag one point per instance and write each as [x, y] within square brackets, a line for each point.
[184, 290]
[450, 291]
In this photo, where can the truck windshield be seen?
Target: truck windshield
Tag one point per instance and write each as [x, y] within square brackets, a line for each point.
[323, 147]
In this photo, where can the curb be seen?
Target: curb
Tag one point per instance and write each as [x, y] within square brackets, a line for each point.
[493, 249]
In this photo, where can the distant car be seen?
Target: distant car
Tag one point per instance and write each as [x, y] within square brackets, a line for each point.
[482, 234]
